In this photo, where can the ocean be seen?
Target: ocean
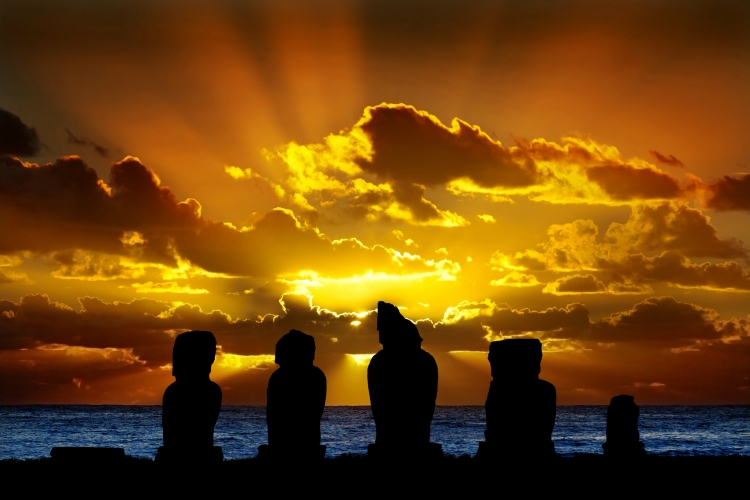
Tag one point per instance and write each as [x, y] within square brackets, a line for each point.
[32, 431]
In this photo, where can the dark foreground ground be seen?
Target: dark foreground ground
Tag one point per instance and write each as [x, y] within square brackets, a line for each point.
[357, 476]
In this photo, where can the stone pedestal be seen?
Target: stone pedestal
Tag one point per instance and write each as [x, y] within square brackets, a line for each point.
[428, 451]
[71, 454]
[212, 455]
[489, 452]
[288, 453]
[621, 450]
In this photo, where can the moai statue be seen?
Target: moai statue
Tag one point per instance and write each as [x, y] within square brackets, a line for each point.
[520, 406]
[403, 380]
[296, 398]
[623, 438]
[191, 404]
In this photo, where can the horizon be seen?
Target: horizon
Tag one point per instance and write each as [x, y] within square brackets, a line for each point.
[568, 171]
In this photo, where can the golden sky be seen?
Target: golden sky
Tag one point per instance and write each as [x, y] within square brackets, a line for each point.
[574, 171]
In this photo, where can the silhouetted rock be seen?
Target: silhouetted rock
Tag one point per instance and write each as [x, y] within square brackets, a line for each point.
[191, 404]
[296, 399]
[403, 382]
[520, 407]
[623, 438]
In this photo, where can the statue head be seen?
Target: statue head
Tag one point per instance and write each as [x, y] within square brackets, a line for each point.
[623, 408]
[516, 358]
[193, 354]
[395, 330]
[295, 349]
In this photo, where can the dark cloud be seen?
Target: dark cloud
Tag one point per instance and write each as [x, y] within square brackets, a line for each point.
[64, 206]
[576, 284]
[625, 182]
[65, 350]
[414, 147]
[729, 193]
[15, 137]
[666, 160]
[83, 141]
[665, 319]
[674, 269]
[471, 325]
[148, 327]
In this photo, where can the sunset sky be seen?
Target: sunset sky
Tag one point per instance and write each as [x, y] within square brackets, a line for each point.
[573, 171]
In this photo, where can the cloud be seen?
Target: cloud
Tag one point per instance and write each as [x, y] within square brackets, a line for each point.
[666, 160]
[51, 344]
[65, 374]
[673, 230]
[82, 141]
[472, 325]
[665, 319]
[582, 171]
[516, 279]
[167, 287]
[92, 266]
[569, 247]
[674, 269]
[656, 319]
[15, 137]
[486, 218]
[673, 226]
[588, 284]
[7, 277]
[414, 147]
[728, 193]
[626, 182]
[384, 165]
[148, 327]
[260, 182]
[574, 285]
[64, 206]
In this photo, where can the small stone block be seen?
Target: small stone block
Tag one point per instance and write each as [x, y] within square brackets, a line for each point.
[213, 454]
[307, 453]
[428, 451]
[86, 454]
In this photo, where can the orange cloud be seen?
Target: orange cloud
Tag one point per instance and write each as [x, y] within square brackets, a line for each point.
[674, 230]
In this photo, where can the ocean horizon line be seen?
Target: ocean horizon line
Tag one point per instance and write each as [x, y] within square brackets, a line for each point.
[367, 406]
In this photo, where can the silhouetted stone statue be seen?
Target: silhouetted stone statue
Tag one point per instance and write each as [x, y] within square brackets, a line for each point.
[520, 407]
[403, 382]
[296, 398]
[191, 404]
[623, 438]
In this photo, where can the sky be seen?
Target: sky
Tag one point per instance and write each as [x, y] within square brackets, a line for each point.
[573, 171]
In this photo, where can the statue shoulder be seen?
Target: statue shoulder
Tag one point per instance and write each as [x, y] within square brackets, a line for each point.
[547, 387]
[214, 387]
[427, 357]
[317, 373]
[171, 391]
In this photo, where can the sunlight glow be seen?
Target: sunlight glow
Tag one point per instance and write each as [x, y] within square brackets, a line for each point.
[361, 359]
